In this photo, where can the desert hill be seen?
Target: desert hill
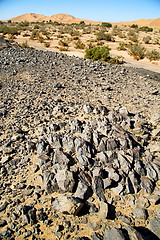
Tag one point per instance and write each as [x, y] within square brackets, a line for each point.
[143, 22]
[66, 18]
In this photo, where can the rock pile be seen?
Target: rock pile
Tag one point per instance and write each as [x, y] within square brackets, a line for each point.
[75, 163]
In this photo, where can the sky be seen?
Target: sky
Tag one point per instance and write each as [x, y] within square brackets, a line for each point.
[96, 10]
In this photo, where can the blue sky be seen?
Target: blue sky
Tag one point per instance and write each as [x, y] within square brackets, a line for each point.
[97, 10]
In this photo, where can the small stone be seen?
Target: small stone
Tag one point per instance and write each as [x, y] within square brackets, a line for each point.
[114, 233]
[140, 213]
[3, 223]
[154, 226]
[103, 210]
[142, 203]
[67, 205]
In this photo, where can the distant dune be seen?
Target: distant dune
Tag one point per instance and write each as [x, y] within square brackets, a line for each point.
[143, 22]
[65, 18]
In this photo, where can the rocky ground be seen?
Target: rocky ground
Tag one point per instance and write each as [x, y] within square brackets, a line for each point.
[79, 148]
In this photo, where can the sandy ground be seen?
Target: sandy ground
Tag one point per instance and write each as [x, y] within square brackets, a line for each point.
[128, 60]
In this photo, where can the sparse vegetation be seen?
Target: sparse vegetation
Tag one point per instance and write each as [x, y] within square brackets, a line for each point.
[132, 36]
[137, 51]
[25, 45]
[116, 60]
[102, 36]
[63, 49]
[47, 44]
[122, 46]
[87, 36]
[79, 44]
[153, 55]
[147, 39]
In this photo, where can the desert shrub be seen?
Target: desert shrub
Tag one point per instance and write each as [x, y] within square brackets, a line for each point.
[134, 26]
[146, 29]
[100, 43]
[132, 36]
[60, 36]
[40, 39]
[34, 35]
[26, 34]
[153, 55]
[115, 31]
[79, 44]
[122, 46]
[75, 38]
[98, 53]
[74, 33]
[116, 60]
[102, 36]
[106, 24]
[82, 23]
[63, 49]
[137, 51]
[121, 35]
[36, 26]
[46, 33]
[90, 45]
[155, 41]
[24, 24]
[47, 44]
[63, 43]
[8, 30]
[147, 39]
[11, 38]
[25, 45]
[55, 23]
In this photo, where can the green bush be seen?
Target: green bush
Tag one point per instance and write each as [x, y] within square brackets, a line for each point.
[147, 39]
[137, 51]
[134, 26]
[153, 55]
[106, 24]
[36, 26]
[146, 29]
[24, 24]
[98, 53]
[8, 30]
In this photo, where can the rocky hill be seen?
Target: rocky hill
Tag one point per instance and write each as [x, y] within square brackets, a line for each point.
[80, 149]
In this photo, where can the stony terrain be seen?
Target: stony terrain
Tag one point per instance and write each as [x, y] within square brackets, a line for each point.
[79, 148]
